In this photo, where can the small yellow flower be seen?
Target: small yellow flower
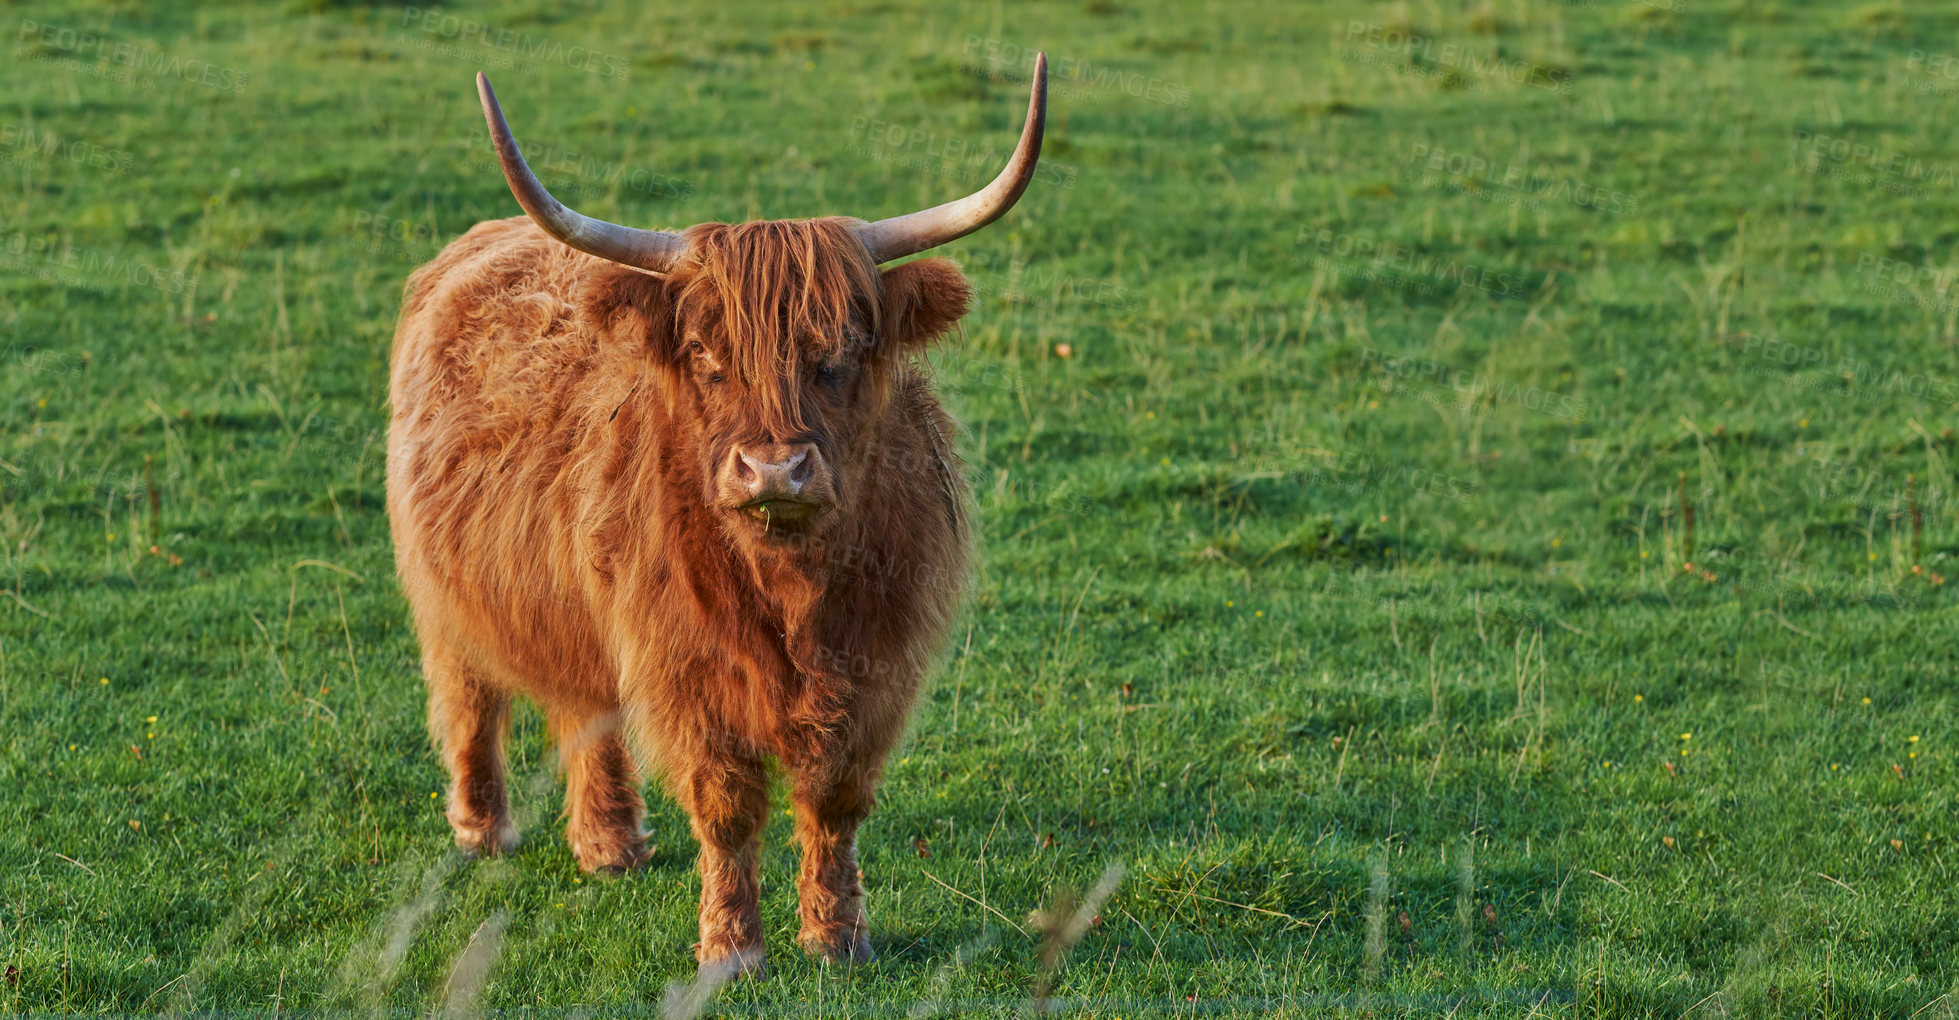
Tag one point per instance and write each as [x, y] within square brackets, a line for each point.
[1643, 553]
[1556, 542]
[1912, 739]
[1686, 736]
[1639, 697]
[433, 796]
[1261, 612]
[150, 719]
[1608, 764]
[1867, 701]
[1833, 768]
[1149, 414]
[105, 681]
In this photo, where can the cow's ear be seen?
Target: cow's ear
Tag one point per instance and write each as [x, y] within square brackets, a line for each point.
[642, 310]
[922, 300]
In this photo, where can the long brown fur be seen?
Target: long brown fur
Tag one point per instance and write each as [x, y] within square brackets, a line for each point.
[551, 484]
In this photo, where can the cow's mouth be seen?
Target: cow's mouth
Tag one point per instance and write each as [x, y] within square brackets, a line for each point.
[782, 511]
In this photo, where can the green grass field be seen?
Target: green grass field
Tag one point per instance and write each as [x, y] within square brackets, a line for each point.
[1335, 583]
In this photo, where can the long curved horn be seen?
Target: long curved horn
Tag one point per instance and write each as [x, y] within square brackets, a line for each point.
[914, 232]
[651, 250]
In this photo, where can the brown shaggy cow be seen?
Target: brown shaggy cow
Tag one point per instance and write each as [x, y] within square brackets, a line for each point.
[692, 494]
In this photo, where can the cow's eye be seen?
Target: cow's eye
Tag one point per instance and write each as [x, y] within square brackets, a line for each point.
[695, 347]
[830, 375]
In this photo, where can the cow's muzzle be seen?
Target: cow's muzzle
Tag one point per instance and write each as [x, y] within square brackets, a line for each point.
[777, 483]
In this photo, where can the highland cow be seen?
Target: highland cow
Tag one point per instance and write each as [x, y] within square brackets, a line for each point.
[636, 475]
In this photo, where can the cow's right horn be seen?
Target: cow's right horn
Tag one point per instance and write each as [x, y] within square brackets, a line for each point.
[652, 250]
[928, 228]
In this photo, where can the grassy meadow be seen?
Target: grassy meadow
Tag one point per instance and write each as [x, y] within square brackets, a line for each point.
[1466, 496]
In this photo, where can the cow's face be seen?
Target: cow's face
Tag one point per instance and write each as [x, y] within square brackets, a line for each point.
[789, 336]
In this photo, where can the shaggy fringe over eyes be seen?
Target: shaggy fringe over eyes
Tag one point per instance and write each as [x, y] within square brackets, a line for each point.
[784, 288]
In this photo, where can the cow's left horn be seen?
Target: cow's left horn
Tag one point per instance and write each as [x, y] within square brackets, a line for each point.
[914, 232]
[652, 250]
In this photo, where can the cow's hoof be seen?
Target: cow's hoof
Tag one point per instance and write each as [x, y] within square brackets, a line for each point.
[609, 856]
[489, 839]
[740, 965]
[847, 948]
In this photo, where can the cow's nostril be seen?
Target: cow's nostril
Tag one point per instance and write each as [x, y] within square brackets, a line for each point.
[800, 473]
[742, 470]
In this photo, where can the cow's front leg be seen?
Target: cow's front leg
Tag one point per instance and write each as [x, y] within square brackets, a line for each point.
[726, 795]
[830, 894]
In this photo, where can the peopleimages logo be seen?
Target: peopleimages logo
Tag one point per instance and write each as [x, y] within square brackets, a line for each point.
[1934, 74]
[436, 23]
[57, 44]
[1470, 390]
[1418, 50]
[1938, 279]
[1356, 472]
[1859, 162]
[1018, 62]
[1849, 374]
[81, 267]
[1017, 282]
[23, 143]
[1403, 259]
[1502, 177]
[943, 155]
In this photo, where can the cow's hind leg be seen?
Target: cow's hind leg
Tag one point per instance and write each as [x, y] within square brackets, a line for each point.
[830, 895]
[727, 799]
[602, 804]
[468, 719]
